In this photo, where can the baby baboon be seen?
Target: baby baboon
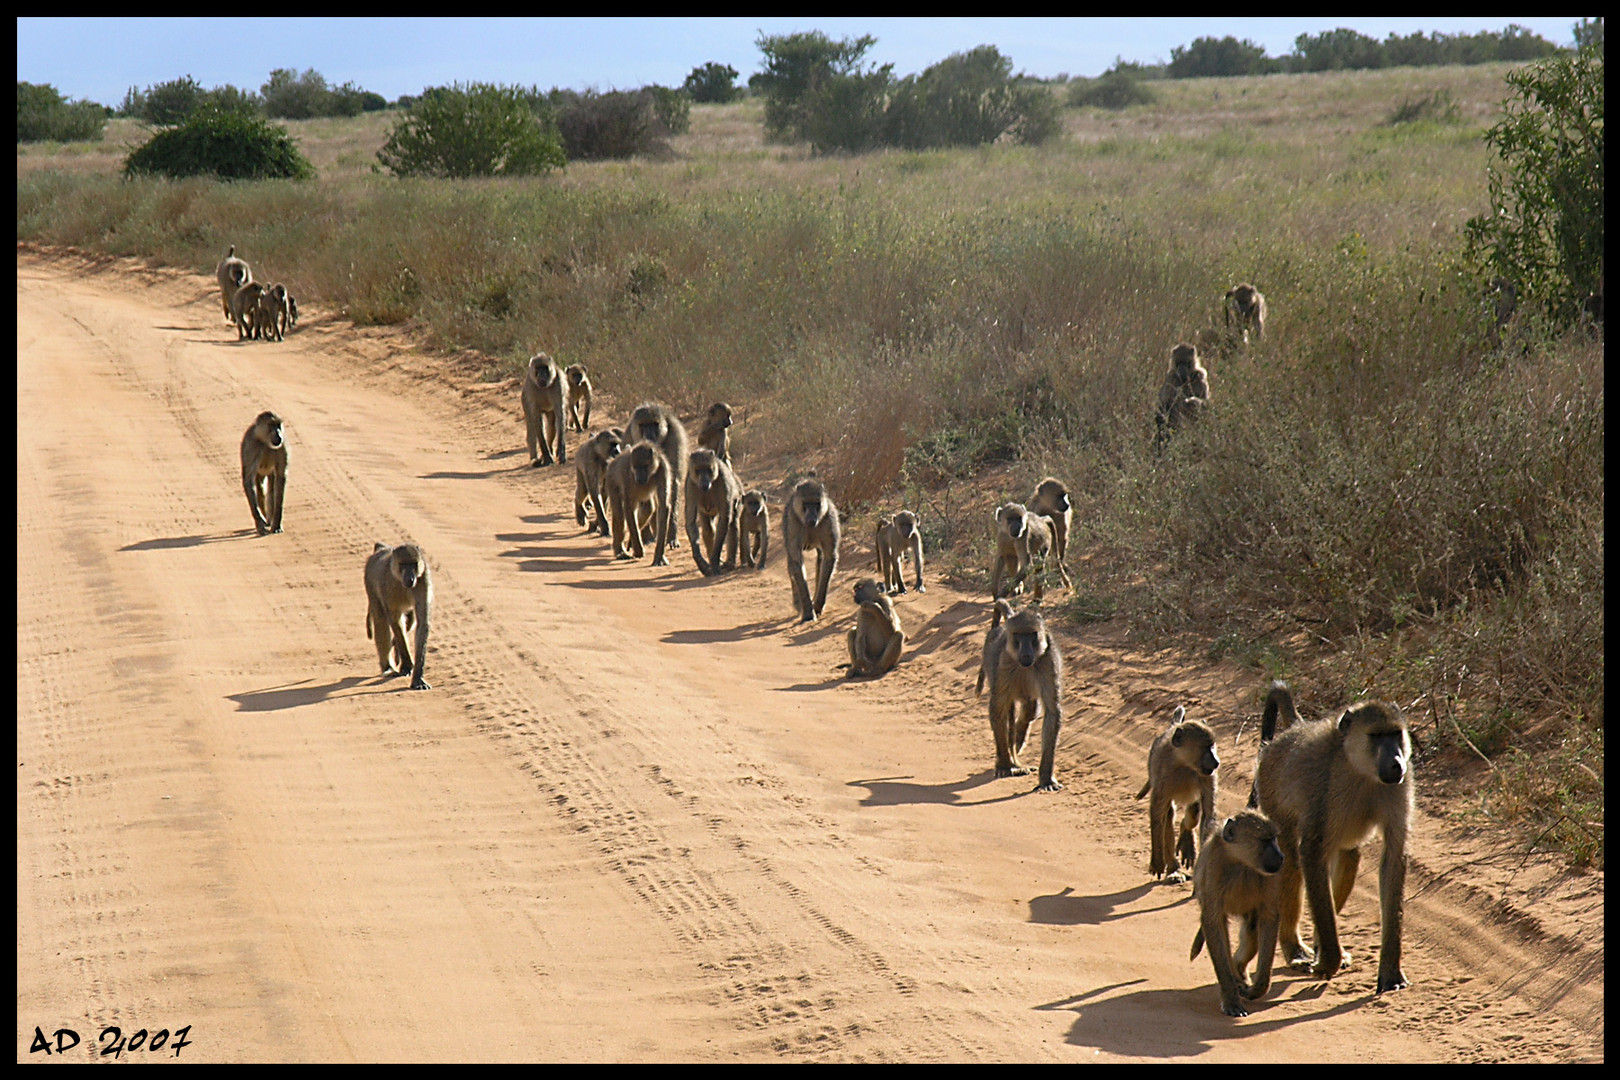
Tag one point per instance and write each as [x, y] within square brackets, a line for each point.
[1181, 771]
[1237, 875]
[264, 471]
[1051, 501]
[755, 529]
[716, 431]
[399, 593]
[713, 499]
[579, 396]
[1184, 394]
[1328, 784]
[543, 411]
[876, 641]
[810, 520]
[640, 477]
[271, 316]
[1025, 671]
[658, 424]
[232, 274]
[897, 537]
[1023, 540]
[245, 310]
[1247, 308]
[590, 469]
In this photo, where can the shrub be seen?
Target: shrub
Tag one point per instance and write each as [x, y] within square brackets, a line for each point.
[43, 114]
[1112, 90]
[798, 64]
[712, 83]
[477, 129]
[171, 102]
[672, 107]
[292, 96]
[967, 99]
[1224, 56]
[228, 145]
[617, 124]
[1335, 50]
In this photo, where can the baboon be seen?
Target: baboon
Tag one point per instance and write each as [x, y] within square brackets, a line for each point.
[658, 424]
[245, 310]
[590, 469]
[876, 641]
[1181, 771]
[543, 411]
[579, 396]
[1247, 308]
[1237, 875]
[264, 471]
[640, 476]
[399, 592]
[1023, 540]
[754, 529]
[292, 312]
[1279, 707]
[810, 520]
[1328, 784]
[1051, 501]
[896, 538]
[716, 431]
[232, 274]
[1184, 394]
[713, 500]
[271, 316]
[1025, 672]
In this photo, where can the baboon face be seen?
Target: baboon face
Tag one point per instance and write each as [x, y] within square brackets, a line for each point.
[1253, 838]
[407, 564]
[1184, 356]
[1052, 493]
[1200, 744]
[811, 502]
[754, 502]
[719, 415]
[867, 590]
[543, 369]
[268, 429]
[1243, 296]
[1011, 517]
[643, 464]
[1376, 740]
[906, 522]
[607, 444]
[705, 467]
[1026, 638]
[647, 425]
[576, 374]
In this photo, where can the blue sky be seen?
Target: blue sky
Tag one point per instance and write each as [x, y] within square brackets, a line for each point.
[100, 59]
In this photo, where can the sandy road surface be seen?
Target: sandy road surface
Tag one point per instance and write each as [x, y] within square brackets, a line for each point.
[639, 816]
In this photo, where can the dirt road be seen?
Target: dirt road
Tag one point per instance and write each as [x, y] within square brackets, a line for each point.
[639, 816]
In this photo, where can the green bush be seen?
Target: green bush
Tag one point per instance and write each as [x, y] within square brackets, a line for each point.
[228, 145]
[712, 83]
[617, 124]
[965, 100]
[43, 114]
[1111, 90]
[798, 65]
[672, 107]
[477, 129]
[1223, 56]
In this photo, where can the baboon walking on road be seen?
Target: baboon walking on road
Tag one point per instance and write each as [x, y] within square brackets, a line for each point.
[399, 592]
[543, 411]
[1181, 772]
[245, 310]
[1022, 543]
[590, 471]
[1237, 875]
[713, 505]
[810, 520]
[232, 273]
[264, 471]
[640, 481]
[715, 434]
[754, 527]
[898, 537]
[658, 424]
[579, 396]
[1025, 671]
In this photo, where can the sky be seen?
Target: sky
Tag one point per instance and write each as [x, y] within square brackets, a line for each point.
[100, 59]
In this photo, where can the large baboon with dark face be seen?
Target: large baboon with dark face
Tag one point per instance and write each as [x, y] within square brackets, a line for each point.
[543, 411]
[810, 520]
[399, 593]
[658, 424]
[1025, 671]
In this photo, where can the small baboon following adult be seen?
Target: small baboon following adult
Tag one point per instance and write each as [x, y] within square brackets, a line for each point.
[1237, 874]
[579, 396]
[399, 593]
[231, 274]
[1181, 772]
[810, 520]
[876, 641]
[1184, 394]
[754, 529]
[1023, 541]
[590, 470]
[292, 311]
[640, 481]
[543, 411]
[714, 498]
[715, 434]
[1025, 671]
[658, 424]
[898, 537]
[1051, 501]
[271, 316]
[1329, 784]
[1246, 307]
[245, 310]
[264, 471]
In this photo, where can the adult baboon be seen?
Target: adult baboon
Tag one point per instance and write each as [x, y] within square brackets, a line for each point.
[590, 469]
[1051, 501]
[271, 317]
[896, 538]
[713, 501]
[810, 520]
[754, 528]
[1184, 394]
[1328, 784]
[716, 431]
[231, 274]
[1246, 307]
[579, 396]
[1237, 875]
[245, 310]
[399, 592]
[658, 424]
[638, 481]
[876, 641]
[543, 411]
[1023, 540]
[1025, 672]
[264, 471]
[1181, 772]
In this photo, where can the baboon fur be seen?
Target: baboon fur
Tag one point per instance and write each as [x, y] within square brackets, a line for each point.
[810, 520]
[1246, 307]
[579, 396]
[754, 525]
[271, 317]
[1023, 541]
[1051, 501]
[590, 470]
[245, 310]
[658, 424]
[876, 640]
[231, 274]
[715, 434]
[264, 471]
[638, 479]
[543, 411]
[1184, 394]
[399, 592]
[1237, 874]
[714, 499]
[1025, 672]
[898, 537]
[1181, 772]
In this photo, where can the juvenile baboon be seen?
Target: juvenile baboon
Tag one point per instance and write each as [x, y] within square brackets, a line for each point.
[590, 469]
[1181, 772]
[1051, 501]
[898, 537]
[640, 481]
[1025, 672]
[1184, 394]
[579, 396]
[271, 317]
[1237, 875]
[1328, 784]
[264, 471]
[754, 528]
[810, 520]
[543, 411]
[232, 274]
[716, 431]
[399, 592]
[713, 501]
[245, 310]
[292, 312]
[1023, 540]
[1246, 307]
[876, 641]
[658, 424]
